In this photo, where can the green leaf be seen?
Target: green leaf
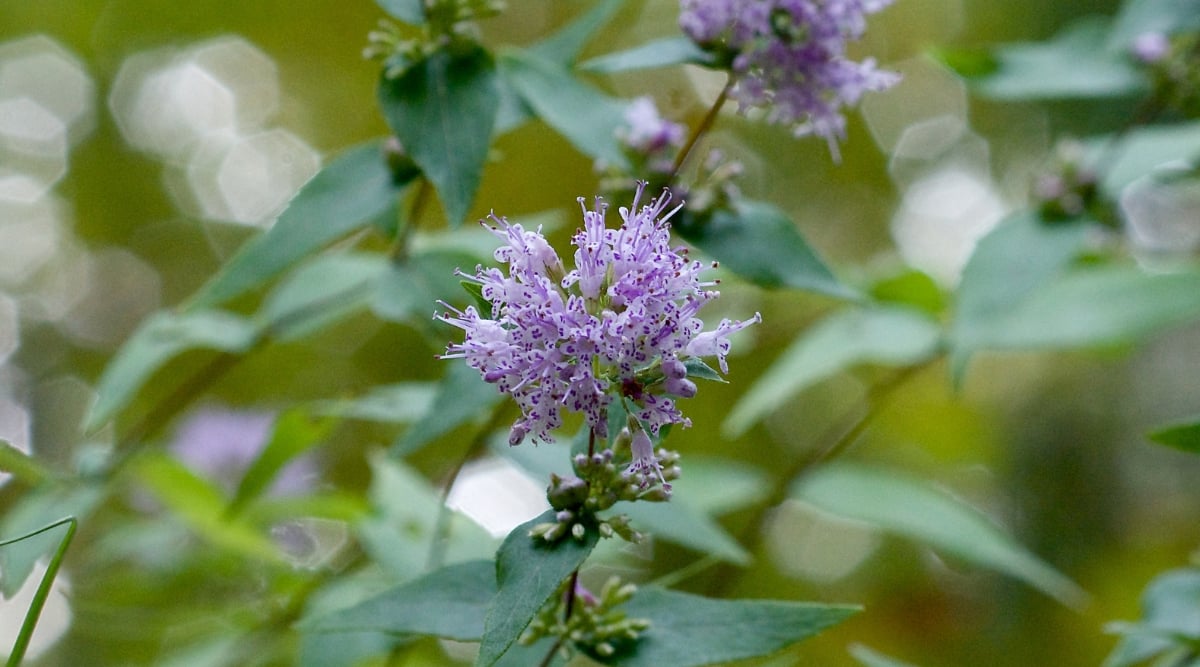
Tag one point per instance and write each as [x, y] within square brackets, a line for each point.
[678, 521]
[161, 337]
[910, 288]
[462, 397]
[346, 649]
[696, 368]
[202, 506]
[399, 403]
[872, 658]
[443, 110]
[409, 291]
[680, 524]
[1073, 64]
[1170, 613]
[1185, 437]
[882, 335]
[1144, 148]
[21, 465]
[583, 115]
[322, 292]
[448, 603]
[408, 516]
[294, 433]
[1141, 16]
[1017, 257]
[476, 292]
[969, 63]
[33, 512]
[528, 573]
[564, 46]
[717, 485]
[1091, 307]
[915, 510]
[336, 505]
[351, 191]
[520, 655]
[411, 12]
[692, 631]
[761, 244]
[663, 52]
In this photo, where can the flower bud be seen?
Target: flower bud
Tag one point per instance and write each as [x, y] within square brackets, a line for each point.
[517, 434]
[568, 492]
[681, 387]
[658, 494]
[674, 369]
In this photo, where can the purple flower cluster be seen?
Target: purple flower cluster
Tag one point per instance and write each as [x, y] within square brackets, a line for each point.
[646, 131]
[620, 324]
[789, 57]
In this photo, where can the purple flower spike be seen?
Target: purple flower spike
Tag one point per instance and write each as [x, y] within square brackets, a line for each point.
[615, 325]
[789, 57]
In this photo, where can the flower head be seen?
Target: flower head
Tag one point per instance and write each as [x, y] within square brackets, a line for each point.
[1151, 47]
[789, 57]
[646, 131]
[617, 325]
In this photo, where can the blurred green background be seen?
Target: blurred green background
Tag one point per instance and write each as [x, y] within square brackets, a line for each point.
[117, 216]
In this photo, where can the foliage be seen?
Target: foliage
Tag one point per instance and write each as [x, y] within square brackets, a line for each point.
[337, 499]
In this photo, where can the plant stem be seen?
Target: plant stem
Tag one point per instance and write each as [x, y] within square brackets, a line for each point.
[400, 246]
[569, 604]
[550, 654]
[705, 125]
[437, 548]
[135, 439]
[43, 589]
[686, 572]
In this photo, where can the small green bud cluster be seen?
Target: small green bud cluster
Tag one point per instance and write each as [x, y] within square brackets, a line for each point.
[448, 24]
[595, 625]
[715, 186]
[1174, 64]
[597, 485]
[1068, 188]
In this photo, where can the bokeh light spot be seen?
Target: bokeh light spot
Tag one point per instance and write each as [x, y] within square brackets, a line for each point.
[39, 69]
[122, 290]
[172, 107]
[10, 327]
[250, 179]
[33, 149]
[497, 495]
[14, 429]
[29, 235]
[1162, 212]
[53, 622]
[942, 217]
[807, 543]
[926, 91]
[248, 73]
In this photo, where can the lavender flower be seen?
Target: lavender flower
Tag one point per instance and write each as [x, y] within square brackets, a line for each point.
[221, 444]
[1151, 47]
[618, 324]
[649, 143]
[789, 57]
[647, 132]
